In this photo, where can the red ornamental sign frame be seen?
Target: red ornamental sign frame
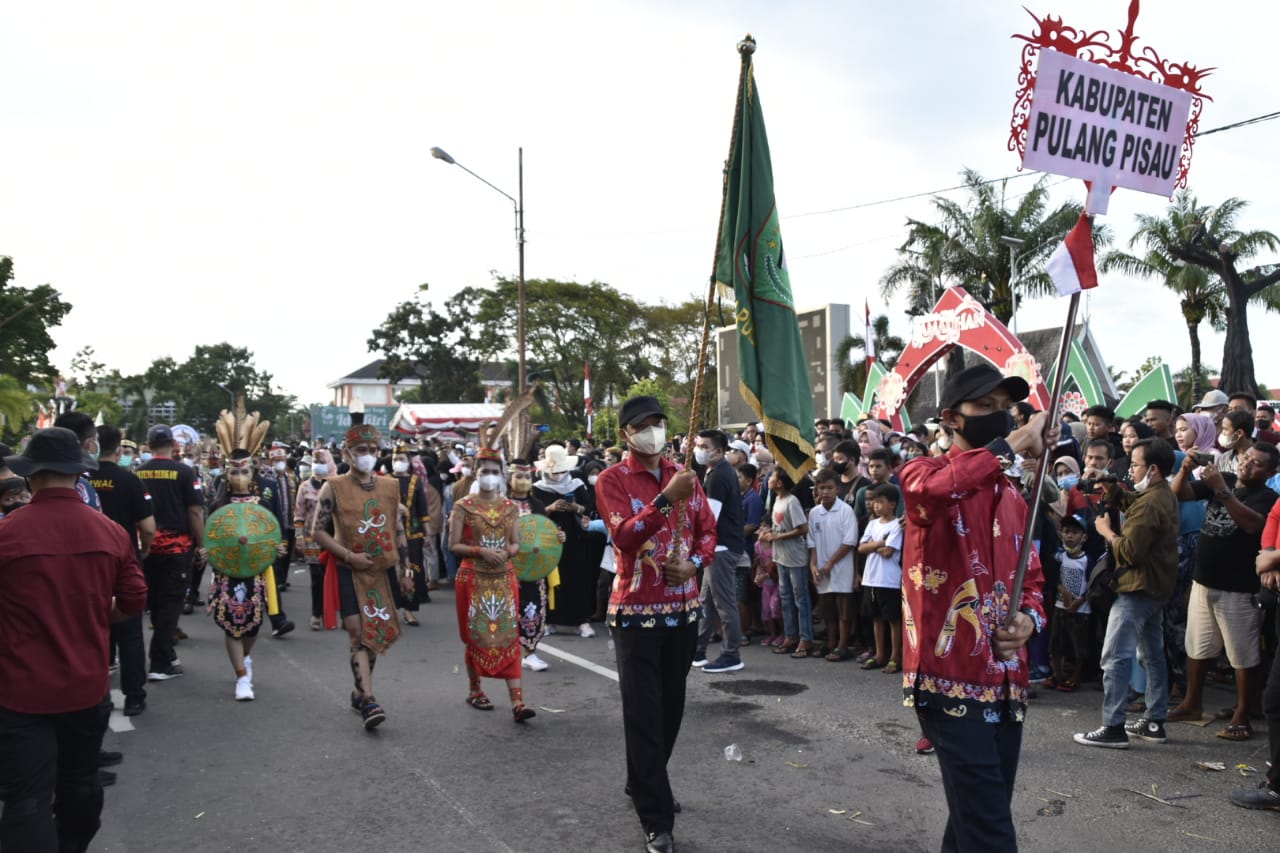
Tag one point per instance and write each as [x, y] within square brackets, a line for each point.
[1097, 47]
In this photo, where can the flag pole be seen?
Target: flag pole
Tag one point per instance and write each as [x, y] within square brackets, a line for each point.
[746, 48]
[1042, 464]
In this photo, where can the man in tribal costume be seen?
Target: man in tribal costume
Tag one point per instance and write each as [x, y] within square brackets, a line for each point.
[413, 497]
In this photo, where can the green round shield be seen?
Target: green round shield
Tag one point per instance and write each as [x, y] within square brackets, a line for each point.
[539, 548]
[241, 539]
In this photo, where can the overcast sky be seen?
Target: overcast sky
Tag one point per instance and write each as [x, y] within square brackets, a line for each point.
[259, 172]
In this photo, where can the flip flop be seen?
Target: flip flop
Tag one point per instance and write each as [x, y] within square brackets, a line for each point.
[1236, 732]
[784, 648]
[836, 655]
[872, 663]
[891, 667]
[800, 653]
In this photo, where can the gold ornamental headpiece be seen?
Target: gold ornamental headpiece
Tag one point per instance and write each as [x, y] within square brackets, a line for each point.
[241, 430]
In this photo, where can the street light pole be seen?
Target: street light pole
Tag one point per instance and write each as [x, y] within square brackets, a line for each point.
[1014, 244]
[518, 204]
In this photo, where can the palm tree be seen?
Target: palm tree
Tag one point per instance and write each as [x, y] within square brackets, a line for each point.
[1207, 238]
[853, 377]
[17, 406]
[1202, 296]
[967, 246]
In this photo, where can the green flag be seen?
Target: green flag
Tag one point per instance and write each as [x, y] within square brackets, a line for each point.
[750, 261]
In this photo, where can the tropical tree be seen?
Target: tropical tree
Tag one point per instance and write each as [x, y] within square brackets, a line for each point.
[853, 373]
[1208, 238]
[26, 315]
[417, 341]
[17, 406]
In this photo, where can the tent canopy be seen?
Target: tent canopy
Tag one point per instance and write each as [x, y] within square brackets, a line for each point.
[430, 417]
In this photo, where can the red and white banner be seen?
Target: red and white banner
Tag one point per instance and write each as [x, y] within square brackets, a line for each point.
[586, 394]
[1071, 265]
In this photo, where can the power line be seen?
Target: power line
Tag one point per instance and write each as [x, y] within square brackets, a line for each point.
[1244, 123]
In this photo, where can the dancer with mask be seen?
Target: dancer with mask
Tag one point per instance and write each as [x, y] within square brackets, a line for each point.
[533, 594]
[304, 506]
[361, 525]
[483, 532]
[413, 498]
[964, 664]
[565, 497]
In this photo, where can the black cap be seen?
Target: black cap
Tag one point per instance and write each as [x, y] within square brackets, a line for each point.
[979, 381]
[54, 449]
[159, 436]
[636, 409]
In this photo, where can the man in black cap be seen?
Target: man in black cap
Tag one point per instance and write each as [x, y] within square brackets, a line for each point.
[663, 531]
[54, 703]
[177, 499]
[963, 670]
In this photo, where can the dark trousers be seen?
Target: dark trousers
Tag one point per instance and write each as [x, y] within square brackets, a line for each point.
[653, 664]
[317, 590]
[979, 761]
[49, 779]
[131, 653]
[167, 577]
[1271, 710]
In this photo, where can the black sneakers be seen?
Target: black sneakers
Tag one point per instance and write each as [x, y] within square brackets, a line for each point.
[1261, 797]
[1111, 737]
[1152, 730]
[172, 671]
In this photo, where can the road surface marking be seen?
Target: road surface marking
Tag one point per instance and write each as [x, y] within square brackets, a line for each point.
[577, 661]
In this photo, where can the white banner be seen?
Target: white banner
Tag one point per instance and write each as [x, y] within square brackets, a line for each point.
[1092, 122]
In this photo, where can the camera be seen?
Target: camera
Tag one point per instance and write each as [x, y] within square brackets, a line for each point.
[1089, 485]
[1201, 457]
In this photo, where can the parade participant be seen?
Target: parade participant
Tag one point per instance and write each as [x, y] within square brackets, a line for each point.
[414, 499]
[965, 670]
[14, 495]
[663, 531]
[361, 524]
[484, 535]
[286, 488]
[425, 465]
[565, 499]
[533, 594]
[719, 584]
[177, 498]
[126, 502]
[304, 506]
[54, 702]
[238, 605]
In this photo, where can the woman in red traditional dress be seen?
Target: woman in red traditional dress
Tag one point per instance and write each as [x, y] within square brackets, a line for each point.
[483, 533]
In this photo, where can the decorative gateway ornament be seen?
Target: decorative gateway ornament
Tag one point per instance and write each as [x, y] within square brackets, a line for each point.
[540, 548]
[242, 539]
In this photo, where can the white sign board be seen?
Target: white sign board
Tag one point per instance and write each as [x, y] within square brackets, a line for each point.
[1114, 129]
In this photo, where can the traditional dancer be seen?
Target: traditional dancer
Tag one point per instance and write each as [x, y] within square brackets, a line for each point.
[533, 594]
[413, 498]
[360, 524]
[304, 506]
[484, 534]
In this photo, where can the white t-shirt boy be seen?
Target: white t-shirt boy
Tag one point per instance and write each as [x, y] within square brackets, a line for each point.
[828, 530]
[884, 572]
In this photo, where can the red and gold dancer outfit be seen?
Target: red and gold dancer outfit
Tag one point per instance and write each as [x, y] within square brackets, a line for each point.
[483, 533]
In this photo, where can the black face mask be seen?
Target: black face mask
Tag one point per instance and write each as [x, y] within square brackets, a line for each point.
[840, 467]
[981, 430]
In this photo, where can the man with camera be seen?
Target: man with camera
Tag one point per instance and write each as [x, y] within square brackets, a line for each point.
[1145, 554]
[1222, 610]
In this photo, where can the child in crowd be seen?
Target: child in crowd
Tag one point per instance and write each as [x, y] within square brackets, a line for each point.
[770, 599]
[833, 537]
[1069, 631]
[787, 534]
[882, 578]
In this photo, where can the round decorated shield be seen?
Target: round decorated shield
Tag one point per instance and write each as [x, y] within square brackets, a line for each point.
[241, 539]
[539, 548]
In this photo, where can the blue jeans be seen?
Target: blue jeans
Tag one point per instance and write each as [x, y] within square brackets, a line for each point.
[1136, 622]
[793, 587]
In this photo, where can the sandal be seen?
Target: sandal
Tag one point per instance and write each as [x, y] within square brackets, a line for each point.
[785, 647]
[891, 667]
[522, 712]
[865, 656]
[1242, 732]
[1050, 683]
[479, 701]
[410, 619]
[838, 654]
[872, 663]
[372, 714]
[802, 651]
[1068, 687]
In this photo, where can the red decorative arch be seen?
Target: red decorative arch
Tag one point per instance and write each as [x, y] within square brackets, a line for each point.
[957, 320]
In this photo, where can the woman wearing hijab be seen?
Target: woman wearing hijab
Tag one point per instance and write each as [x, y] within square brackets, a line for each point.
[565, 497]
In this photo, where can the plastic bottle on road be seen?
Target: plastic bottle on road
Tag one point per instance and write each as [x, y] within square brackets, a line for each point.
[732, 752]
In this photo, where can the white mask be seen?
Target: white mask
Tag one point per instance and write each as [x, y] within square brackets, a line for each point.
[820, 458]
[557, 477]
[365, 462]
[701, 456]
[649, 440]
[1143, 484]
[466, 472]
[279, 466]
[188, 461]
[1224, 442]
[592, 479]
[490, 482]
[321, 469]
[303, 470]
[400, 466]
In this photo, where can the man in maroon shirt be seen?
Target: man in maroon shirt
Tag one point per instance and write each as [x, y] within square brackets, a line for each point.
[54, 703]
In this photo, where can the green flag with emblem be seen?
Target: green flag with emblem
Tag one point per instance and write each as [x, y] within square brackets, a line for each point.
[751, 263]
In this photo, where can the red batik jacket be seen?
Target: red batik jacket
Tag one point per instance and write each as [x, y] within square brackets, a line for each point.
[965, 522]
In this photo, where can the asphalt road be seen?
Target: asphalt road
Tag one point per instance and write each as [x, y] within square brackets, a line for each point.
[828, 760]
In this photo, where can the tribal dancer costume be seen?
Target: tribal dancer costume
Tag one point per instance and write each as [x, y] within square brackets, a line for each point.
[413, 497]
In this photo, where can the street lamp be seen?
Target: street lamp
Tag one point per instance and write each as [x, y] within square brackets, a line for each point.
[518, 204]
[52, 294]
[1014, 243]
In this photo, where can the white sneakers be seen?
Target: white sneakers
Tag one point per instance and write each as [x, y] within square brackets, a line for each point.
[248, 667]
[244, 689]
[585, 631]
[534, 663]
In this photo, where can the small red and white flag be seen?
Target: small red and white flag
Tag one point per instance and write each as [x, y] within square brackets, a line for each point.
[586, 394]
[869, 338]
[1071, 264]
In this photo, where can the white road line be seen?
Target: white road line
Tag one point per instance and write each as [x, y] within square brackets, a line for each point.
[577, 661]
[118, 722]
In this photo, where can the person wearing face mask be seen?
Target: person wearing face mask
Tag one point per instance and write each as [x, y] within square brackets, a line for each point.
[361, 525]
[304, 505]
[484, 532]
[663, 531]
[14, 495]
[565, 497]
[82, 425]
[1235, 437]
[533, 594]
[414, 499]
[719, 582]
[286, 489]
[964, 663]
[1145, 554]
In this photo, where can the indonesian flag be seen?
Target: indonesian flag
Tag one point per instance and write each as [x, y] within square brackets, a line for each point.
[586, 394]
[869, 338]
[1071, 264]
